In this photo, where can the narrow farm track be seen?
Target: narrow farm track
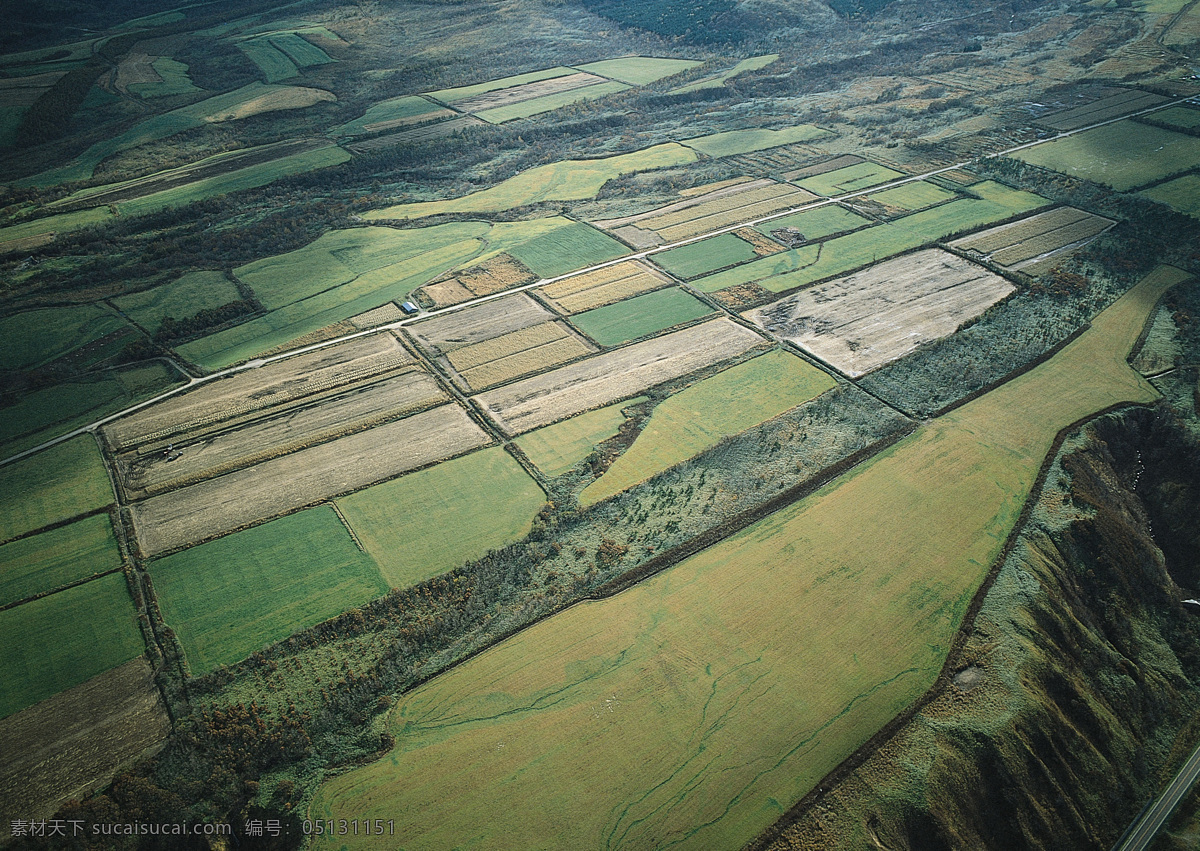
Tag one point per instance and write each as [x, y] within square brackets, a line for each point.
[258, 362]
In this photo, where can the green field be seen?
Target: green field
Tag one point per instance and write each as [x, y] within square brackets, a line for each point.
[37, 336]
[706, 256]
[56, 558]
[699, 416]
[61, 223]
[639, 316]
[557, 448]
[1183, 117]
[302, 52]
[274, 63]
[1121, 155]
[230, 597]
[912, 196]
[851, 178]
[744, 141]
[536, 106]
[56, 484]
[175, 80]
[394, 109]
[1182, 193]
[56, 642]
[808, 263]
[638, 70]
[817, 224]
[754, 63]
[693, 709]
[181, 299]
[434, 520]
[462, 92]
[566, 180]
[574, 246]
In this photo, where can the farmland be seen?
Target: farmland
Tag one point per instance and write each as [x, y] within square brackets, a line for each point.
[813, 225]
[638, 70]
[639, 316]
[696, 666]
[571, 247]
[1178, 117]
[555, 449]
[545, 103]
[699, 416]
[281, 55]
[50, 560]
[705, 256]
[601, 287]
[1113, 103]
[229, 597]
[735, 142]
[864, 320]
[37, 336]
[57, 484]
[395, 112]
[1182, 193]
[1017, 245]
[218, 506]
[180, 299]
[850, 178]
[514, 354]
[754, 63]
[415, 135]
[1121, 155]
[56, 642]
[597, 381]
[454, 95]
[911, 196]
[478, 323]
[431, 521]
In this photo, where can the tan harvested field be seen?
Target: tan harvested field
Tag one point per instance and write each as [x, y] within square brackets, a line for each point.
[619, 374]
[763, 245]
[477, 323]
[512, 355]
[289, 431]
[694, 197]
[603, 286]
[1018, 244]
[414, 135]
[496, 275]
[859, 322]
[824, 167]
[136, 67]
[447, 293]
[217, 506]
[381, 315]
[1113, 103]
[291, 97]
[529, 91]
[212, 405]
[72, 744]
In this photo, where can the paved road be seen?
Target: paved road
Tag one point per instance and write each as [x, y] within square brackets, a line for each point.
[1142, 831]
[255, 364]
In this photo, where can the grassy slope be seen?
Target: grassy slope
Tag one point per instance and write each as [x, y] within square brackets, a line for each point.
[229, 597]
[754, 63]
[56, 558]
[555, 449]
[638, 316]
[59, 483]
[62, 640]
[431, 521]
[695, 707]
[409, 106]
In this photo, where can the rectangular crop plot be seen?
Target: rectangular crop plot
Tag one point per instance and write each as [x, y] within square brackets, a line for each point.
[735, 142]
[180, 299]
[233, 596]
[366, 406]
[1182, 193]
[823, 167]
[218, 506]
[1178, 117]
[418, 135]
[557, 448]
[278, 383]
[565, 249]
[603, 286]
[395, 112]
[864, 320]
[55, 484]
[546, 103]
[1121, 155]
[527, 91]
[638, 70]
[813, 225]
[512, 355]
[524, 405]
[61, 640]
[479, 322]
[1119, 102]
[851, 178]
[911, 196]
[464, 92]
[434, 520]
[707, 256]
[639, 316]
[36, 336]
[41, 563]
[1020, 243]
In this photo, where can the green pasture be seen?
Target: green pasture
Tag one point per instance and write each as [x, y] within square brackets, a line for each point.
[463, 92]
[1182, 193]
[566, 180]
[425, 523]
[273, 62]
[851, 178]
[707, 699]
[230, 597]
[36, 336]
[913, 196]
[574, 246]
[394, 109]
[55, 484]
[704, 257]
[546, 103]
[175, 80]
[640, 316]
[61, 223]
[557, 448]
[59, 641]
[744, 141]
[754, 63]
[56, 558]
[817, 223]
[638, 70]
[1121, 155]
[180, 299]
[1183, 117]
[699, 416]
[303, 53]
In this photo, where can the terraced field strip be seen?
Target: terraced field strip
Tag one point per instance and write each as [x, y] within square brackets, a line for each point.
[546, 103]
[219, 506]
[691, 710]
[153, 472]
[417, 135]
[56, 484]
[543, 399]
[603, 286]
[700, 416]
[431, 521]
[555, 449]
[754, 63]
[518, 353]
[640, 316]
[850, 178]
[392, 113]
[272, 385]
[1013, 245]
[862, 321]
[478, 323]
[50, 560]
[232, 596]
[74, 742]
[526, 91]
[1120, 102]
[454, 95]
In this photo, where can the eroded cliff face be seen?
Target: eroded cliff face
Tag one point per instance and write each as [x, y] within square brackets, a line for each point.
[1075, 694]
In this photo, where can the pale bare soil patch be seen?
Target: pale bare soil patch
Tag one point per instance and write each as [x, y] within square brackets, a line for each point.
[603, 286]
[859, 322]
[510, 356]
[480, 322]
[73, 743]
[217, 506]
[619, 374]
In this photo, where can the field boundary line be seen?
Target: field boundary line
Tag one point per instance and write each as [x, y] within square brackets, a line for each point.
[51, 591]
[346, 523]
